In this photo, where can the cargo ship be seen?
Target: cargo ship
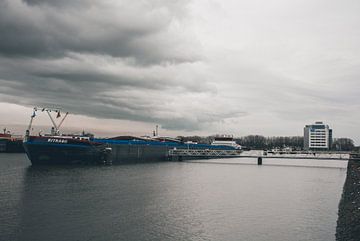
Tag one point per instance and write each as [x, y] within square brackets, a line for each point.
[11, 143]
[58, 149]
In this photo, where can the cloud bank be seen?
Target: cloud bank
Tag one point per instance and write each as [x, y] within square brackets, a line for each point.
[108, 59]
[242, 67]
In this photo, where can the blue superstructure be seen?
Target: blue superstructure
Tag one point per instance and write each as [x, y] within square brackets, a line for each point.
[162, 143]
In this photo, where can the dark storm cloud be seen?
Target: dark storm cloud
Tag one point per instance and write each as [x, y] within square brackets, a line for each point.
[121, 29]
[57, 3]
[120, 60]
[185, 64]
[91, 100]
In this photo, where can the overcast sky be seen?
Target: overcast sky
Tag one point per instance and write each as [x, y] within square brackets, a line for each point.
[192, 67]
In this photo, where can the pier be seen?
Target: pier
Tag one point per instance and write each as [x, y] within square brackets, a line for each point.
[203, 153]
[211, 153]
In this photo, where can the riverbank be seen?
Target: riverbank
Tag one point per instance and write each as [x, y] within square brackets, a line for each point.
[348, 224]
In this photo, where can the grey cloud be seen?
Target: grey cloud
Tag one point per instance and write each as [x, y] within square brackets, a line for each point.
[60, 3]
[120, 60]
[102, 74]
[112, 89]
[274, 67]
[47, 29]
[92, 103]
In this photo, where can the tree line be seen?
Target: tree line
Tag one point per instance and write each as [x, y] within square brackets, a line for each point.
[261, 142]
[294, 142]
[268, 143]
[343, 144]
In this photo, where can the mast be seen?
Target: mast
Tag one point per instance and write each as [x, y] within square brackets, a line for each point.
[62, 120]
[31, 119]
[52, 120]
[55, 128]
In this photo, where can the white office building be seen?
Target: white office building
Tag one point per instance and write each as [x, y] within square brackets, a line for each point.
[317, 136]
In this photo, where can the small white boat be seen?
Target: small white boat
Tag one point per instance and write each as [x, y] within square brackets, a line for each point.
[225, 140]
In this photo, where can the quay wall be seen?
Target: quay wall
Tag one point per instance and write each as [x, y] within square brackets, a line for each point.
[348, 223]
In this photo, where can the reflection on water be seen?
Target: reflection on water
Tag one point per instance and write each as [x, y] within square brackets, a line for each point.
[12, 170]
[171, 201]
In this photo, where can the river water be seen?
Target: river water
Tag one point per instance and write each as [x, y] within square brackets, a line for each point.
[216, 200]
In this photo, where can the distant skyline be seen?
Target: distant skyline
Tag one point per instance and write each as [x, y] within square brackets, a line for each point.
[192, 67]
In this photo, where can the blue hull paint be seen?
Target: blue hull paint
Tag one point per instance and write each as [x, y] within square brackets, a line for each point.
[57, 151]
[41, 154]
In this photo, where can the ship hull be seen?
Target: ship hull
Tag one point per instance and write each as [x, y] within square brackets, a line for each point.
[41, 151]
[57, 151]
[64, 155]
[125, 153]
[11, 146]
[53, 155]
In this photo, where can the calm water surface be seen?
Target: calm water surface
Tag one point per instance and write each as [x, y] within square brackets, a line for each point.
[170, 201]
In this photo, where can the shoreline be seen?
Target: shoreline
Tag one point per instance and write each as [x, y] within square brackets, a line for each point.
[348, 223]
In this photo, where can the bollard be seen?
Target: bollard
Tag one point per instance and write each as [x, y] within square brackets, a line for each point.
[259, 160]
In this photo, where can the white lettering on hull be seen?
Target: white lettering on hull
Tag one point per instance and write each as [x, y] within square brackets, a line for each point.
[57, 140]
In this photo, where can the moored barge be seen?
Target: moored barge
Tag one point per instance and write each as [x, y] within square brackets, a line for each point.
[59, 149]
[10, 143]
